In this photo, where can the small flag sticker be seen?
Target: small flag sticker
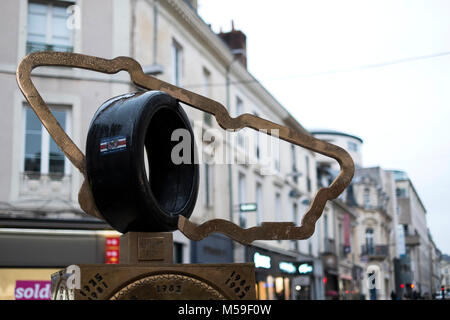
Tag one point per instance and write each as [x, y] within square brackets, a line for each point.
[114, 144]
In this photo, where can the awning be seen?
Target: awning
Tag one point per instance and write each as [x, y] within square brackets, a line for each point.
[345, 277]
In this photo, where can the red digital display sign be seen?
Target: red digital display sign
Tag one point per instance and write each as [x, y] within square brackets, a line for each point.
[112, 250]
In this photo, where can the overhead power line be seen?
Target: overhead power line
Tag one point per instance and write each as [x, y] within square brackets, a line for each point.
[322, 73]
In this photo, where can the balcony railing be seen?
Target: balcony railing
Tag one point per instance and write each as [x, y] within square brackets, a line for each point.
[45, 185]
[412, 240]
[37, 46]
[375, 252]
[330, 246]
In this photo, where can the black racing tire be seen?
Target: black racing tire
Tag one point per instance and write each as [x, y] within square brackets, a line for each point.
[127, 198]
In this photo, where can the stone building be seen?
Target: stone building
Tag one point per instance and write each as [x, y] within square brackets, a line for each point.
[375, 201]
[412, 217]
[41, 221]
[435, 266]
[340, 225]
[445, 274]
[371, 196]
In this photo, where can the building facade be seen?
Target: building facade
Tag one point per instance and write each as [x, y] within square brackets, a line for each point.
[43, 229]
[445, 275]
[39, 186]
[374, 195]
[412, 217]
[435, 266]
[371, 196]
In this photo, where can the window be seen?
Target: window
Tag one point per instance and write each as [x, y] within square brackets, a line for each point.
[325, 229]
[352, 146]
[308, 177]
[177, 51]
[257, 144]
[294, 163]
[276, 152]
[278, 212]
[208, 184]
[239, 111]
[400, 192]
[369, 241]
[47, 27]
[277, 206]
[41, 154]
[295, 220]
[259, 203]
[406, 229]
[207, 118]
[295, 213]
[366, 198]
[239, 106]
[242, 185]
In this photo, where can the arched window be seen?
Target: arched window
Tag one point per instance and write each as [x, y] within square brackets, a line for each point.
[369, 241]
[366, 197]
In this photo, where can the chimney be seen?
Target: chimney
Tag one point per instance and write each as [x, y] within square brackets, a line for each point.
[237, 42]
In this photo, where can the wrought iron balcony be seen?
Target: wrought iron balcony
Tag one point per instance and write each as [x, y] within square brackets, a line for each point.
[38, 46]
[412, 240]
[375, 252]
[330, 246]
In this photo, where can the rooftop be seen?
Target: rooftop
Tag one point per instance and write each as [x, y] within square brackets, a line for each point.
[334, 132]
[399, 175]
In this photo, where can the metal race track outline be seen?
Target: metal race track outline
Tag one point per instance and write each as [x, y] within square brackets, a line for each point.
[267, 230]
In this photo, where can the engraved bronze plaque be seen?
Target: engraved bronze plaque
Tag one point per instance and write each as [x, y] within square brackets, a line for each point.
[151, 248]
[165, 282]
[168, 287]
[146, 247]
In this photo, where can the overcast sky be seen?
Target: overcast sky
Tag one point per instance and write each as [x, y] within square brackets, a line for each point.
[376, 69]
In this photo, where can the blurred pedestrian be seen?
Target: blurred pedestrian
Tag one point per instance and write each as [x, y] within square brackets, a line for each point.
[393, 295]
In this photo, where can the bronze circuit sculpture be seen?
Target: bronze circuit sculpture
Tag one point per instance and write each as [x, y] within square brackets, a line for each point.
[149, 212]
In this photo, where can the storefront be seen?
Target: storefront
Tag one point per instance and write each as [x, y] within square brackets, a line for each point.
[348, 284]
[29, 257]
[282, 277]
[357, 274]
[214, 249]
[331, 276]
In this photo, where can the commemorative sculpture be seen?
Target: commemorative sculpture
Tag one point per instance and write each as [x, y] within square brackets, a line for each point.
[147, 204]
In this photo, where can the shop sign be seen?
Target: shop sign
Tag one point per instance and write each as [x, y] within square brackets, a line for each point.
[287, 267]
[112, 250]
[32, 290]
[305, 268]
[248, 207]
[262, 261]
